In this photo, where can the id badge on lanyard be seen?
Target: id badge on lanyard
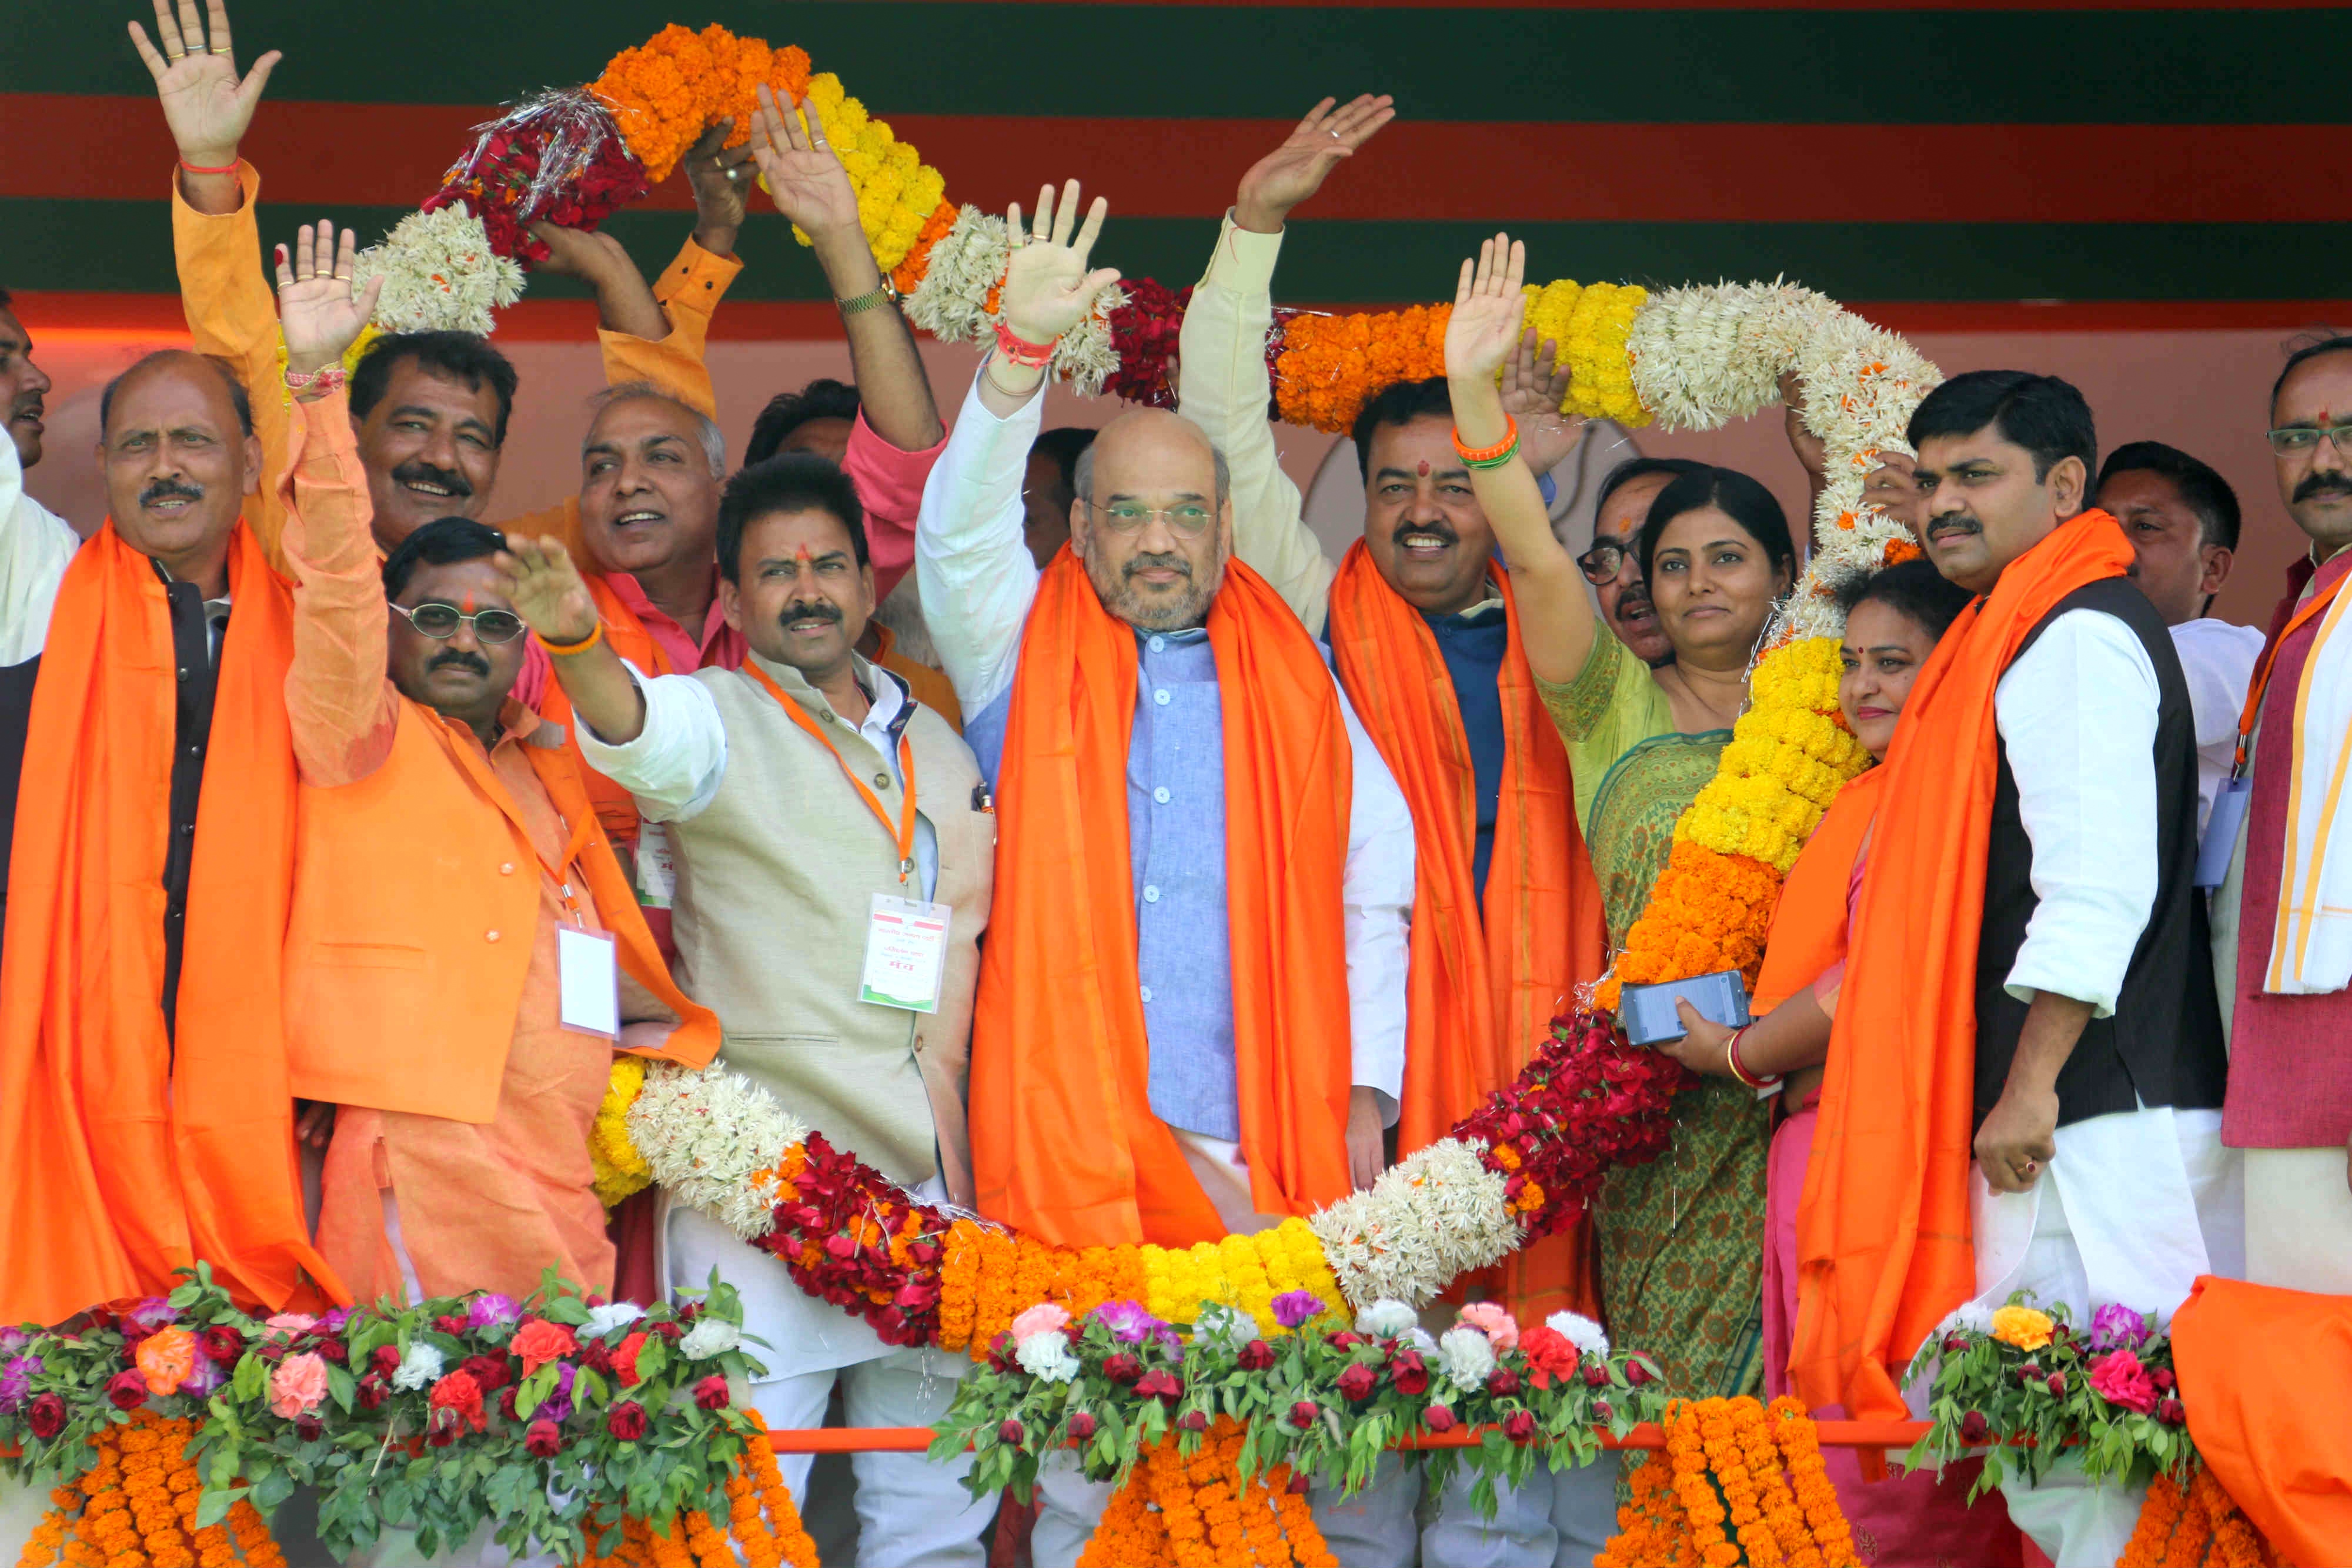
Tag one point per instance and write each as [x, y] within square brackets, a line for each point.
[587, 964]
[906, 952]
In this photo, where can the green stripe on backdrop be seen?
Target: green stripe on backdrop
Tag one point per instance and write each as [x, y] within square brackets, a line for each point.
[127, 245]
[2239, 66]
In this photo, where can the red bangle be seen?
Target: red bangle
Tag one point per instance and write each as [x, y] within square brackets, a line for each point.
[1739, 1067]
[192, 169]
[1489, 456]
[1019, 351]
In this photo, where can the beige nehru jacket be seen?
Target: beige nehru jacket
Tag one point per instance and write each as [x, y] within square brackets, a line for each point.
[776, 875]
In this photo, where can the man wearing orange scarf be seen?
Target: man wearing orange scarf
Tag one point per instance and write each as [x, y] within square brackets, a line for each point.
[145, 1120]
[1191, 1007]
[1421, 626]
[2023, 986]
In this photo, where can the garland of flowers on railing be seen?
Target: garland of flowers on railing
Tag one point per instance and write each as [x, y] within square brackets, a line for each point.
[599, 1430]
[1739, 1482]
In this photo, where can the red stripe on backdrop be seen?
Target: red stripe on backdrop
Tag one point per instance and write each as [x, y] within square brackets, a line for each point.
[394, 154]
[142, 317]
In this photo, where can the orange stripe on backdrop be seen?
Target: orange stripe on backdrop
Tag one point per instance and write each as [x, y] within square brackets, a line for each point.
[394, 154]
[142, 317]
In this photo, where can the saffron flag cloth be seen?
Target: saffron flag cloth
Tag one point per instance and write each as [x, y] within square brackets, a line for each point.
[1884, 1243]
[1064, 1142]
[2266, 1375]
[1486, 979]
[127, 1153]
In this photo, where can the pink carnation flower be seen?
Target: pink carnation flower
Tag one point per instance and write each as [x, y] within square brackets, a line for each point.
[297, 1385]
[1042, 1318]
[2119, 1378]
[1492, 1320]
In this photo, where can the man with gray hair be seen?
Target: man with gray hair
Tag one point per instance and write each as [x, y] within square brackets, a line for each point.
[1197, 943]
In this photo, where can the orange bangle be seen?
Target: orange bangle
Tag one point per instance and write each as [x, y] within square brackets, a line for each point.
[582, 646]
[1490, 455]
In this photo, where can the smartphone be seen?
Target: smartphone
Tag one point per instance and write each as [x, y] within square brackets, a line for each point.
[1648, 1015]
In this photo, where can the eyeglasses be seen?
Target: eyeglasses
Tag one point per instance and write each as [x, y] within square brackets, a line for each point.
[442, 621]
[2303, 437]
[1602, 563]
[1189, 518]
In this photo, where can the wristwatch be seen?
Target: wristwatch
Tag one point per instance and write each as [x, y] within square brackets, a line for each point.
[887, 292]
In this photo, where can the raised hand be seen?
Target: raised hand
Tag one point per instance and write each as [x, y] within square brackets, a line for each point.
[1295, 169]
[577, 253]
[1047, 288]
[721, 176]
[1487, 309]
[204, 102]
[806, 179]
[546, 589]
[1534, 383]
[317, 308]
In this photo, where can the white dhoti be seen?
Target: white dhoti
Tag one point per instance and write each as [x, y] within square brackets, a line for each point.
[2299, 1219]
[1561, 1519]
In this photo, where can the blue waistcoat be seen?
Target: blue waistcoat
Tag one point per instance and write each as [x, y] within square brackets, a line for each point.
[1176, 853]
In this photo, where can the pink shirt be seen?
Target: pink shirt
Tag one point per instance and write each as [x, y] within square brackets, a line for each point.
[2289, 1057]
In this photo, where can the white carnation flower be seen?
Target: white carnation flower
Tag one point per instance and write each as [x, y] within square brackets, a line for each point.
[709, 1336]
[1386, 1318]
[603, 1320]
[1419, 1339]
[1218, 1325]
[1586, 1336]
[1465, 1356]
[1048, 1356]
[420, 1368]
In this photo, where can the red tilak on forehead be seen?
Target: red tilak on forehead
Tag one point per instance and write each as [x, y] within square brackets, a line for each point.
[1424, 467]
[468, 606]
[802, 555]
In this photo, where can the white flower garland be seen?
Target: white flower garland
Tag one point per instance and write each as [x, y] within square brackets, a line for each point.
[439, 274]
[1436, 1214]
[965, 268]
[714, 1139]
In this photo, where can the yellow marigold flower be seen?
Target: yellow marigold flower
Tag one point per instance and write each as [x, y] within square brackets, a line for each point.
[2020, 1326]
[618, 1169]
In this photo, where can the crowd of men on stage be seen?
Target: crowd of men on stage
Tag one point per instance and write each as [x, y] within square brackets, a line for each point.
[1153, 882]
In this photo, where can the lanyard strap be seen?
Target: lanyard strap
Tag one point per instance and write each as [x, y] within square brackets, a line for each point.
[903, 832]
[2316, 605]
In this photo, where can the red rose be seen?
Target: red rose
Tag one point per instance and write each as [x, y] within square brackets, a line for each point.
[127, 1390]
[1300, 1486]
[1357, 1382]
[332, 1350]
[2163, 1379]
[1602, 1412]
[223, 1344]
[1255, 1356]
[488, 1372]
[1161, 1385]
[1595, 1374]
[1974, 1427]
[1519, 1425]
[2170, 1412]
[385, 1358]
[457, 1400]
[46, 1417]
[1011, 1432]
[373, 1391]
[1193, 1421]
[2057, 1384]
[670, 1332]
[507, 1405]
[1346, 1339]
[625, 1359]
[2029, 1373]
[308, 1428]
[626, 1421]
[1954, 1343]
[1304, 1413]
[1082, 1425]
[1124, 1369]
[1439, 1418]
[1501, 1383]
[1409, 1372]
[1549, 1354]
[711, 1394]
[544, 1441]
[597, 1358]
[1639, 1371]
[452, 1325]
[441, 1437]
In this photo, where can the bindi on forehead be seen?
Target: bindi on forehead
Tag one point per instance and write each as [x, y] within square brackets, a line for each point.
[1422, 467]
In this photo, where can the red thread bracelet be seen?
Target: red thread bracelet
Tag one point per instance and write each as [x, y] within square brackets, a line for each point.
[1019, 351]
[192, 169]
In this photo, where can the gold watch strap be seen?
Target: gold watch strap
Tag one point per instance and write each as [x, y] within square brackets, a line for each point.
[872, 299]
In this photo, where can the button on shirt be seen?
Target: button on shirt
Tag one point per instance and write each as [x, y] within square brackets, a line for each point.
[978, 580]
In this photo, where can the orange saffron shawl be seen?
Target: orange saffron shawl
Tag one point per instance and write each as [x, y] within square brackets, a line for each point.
[126, 1154]
[1486, 979]
[1884, 1245]
[1065, 1143]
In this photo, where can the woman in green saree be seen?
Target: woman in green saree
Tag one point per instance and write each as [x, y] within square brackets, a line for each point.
[1681, 1239]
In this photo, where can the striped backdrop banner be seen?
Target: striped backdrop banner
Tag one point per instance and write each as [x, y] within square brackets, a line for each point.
[1994, 165]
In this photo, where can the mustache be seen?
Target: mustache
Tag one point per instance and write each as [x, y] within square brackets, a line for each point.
[1960, 521]
[416, 470]
[170, 490]
[1151, 562]
[809, 610]
[2324, 485]
[462, 660]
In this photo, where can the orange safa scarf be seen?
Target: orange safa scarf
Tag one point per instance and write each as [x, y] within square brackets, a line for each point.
[1487, 977]
[1065, 1143]
[126, 1155]
[1882, 1235]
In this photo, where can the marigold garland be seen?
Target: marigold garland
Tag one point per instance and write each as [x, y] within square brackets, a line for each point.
[761, 1519]
[620, 1171]
[1196, 1510]
[2192, 1528]
[1718, 1495]
[136, 1508]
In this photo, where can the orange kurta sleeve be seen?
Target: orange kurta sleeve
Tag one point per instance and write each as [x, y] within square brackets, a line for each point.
[233, 314]
[342, 710]
[690, 289]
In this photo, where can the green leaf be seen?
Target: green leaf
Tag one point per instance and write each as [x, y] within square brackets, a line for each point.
[212, 1506]
[343, 1385]
[567, 1309]
[251, 1377]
